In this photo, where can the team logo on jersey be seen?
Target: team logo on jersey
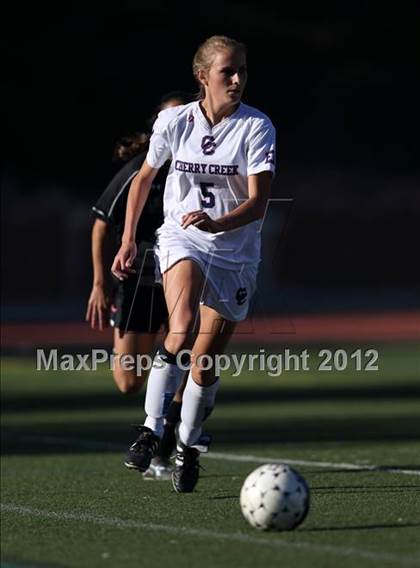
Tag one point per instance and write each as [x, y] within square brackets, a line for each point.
[208, 145]
[269, 157]
[241, 295]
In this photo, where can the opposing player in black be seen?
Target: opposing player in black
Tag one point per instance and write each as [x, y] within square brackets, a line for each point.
[136, 307]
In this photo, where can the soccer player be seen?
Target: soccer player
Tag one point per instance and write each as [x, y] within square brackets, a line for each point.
[208, 247]
[138, 307]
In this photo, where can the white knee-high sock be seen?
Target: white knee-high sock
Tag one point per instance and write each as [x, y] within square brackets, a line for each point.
[164, 380]
[197, 403]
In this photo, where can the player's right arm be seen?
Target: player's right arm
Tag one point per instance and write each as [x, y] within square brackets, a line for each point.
[97, 308]
[137, 197]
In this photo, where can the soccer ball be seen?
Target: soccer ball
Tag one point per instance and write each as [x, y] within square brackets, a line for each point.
[274, 497]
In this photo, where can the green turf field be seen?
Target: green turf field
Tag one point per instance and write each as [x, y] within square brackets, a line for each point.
[67, 500]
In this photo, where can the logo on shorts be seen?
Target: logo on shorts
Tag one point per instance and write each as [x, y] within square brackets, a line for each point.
[208, 145]
[269, 157]
[241, 296]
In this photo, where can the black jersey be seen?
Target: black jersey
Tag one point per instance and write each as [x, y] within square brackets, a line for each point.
[111, 205]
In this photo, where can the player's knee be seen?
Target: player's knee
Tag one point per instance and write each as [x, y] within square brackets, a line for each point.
[175, 342]
[127, 381]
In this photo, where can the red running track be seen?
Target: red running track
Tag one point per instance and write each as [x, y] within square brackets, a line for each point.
[384, 327]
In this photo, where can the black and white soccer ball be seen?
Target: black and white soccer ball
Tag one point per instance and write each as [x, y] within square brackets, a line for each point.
[274, 497]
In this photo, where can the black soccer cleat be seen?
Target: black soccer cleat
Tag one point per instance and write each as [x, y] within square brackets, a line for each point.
[140, 453]
[185, 474]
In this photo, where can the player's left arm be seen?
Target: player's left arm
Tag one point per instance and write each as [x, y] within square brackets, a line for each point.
[260, 169]
[252, 209]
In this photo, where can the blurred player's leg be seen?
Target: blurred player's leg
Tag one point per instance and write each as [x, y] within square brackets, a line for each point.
[199, 397]
[183, 285]
[130, 343]
[172, 417]
[164, 380]
[161, 466]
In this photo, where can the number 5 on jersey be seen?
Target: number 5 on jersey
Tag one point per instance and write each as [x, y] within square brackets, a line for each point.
[209, 199]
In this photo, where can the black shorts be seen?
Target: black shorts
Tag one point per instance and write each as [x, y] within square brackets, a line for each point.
[145, 314]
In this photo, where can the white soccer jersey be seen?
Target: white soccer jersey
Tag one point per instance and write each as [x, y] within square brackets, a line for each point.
[209, 171]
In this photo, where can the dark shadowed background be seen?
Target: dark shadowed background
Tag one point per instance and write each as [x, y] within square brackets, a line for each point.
[340, 82]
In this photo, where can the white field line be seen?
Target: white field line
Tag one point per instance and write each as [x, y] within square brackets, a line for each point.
[97, 445]
[332, 465]
[235, 537]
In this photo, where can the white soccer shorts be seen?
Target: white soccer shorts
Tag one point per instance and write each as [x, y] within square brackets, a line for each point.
[227, 291]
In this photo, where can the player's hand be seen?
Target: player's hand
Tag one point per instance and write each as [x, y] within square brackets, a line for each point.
[97, 308]
[123, 261]
[200, 220]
